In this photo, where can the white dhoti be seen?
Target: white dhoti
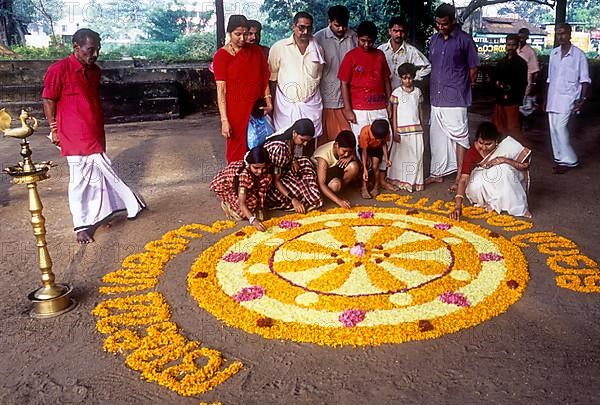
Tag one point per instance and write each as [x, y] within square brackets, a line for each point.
[501, 187]
[366, 117]
[563, 152]
[287, 111]
[96, 192]
[449, 128]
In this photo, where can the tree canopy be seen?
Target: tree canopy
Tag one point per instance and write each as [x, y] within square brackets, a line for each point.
[280, 13]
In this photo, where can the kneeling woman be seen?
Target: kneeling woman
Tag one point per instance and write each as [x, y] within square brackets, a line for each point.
[495, 175]
[242, 187]
[295, 186]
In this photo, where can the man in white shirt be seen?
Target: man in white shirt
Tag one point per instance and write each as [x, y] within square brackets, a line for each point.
[336, 40]
[397, 52]
[568, 86]
[296, 65]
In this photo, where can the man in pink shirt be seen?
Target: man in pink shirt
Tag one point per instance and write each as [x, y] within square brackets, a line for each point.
[72, 108]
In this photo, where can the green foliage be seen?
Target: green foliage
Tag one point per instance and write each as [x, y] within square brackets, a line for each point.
[192, 47]
[166, 24]
[280, 12]
[118, 19]
[534, 14]
[34, 53]
[584, 11]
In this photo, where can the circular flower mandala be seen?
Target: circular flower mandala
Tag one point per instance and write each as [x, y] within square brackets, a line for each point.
[359, 277]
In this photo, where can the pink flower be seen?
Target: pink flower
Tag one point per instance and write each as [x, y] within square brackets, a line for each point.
[442, 227]
[249, 293]
[490, 257]
[352, 317]
[366, 214]
[286, 224]
[236, 257]
[455, 298]
[358, 249]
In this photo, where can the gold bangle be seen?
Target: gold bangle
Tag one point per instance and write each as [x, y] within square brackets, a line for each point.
[268, 96]
[459, 195]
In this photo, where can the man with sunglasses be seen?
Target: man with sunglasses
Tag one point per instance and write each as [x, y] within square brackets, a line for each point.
[296, 65]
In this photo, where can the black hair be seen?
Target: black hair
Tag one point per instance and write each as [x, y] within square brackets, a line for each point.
[367, 28]
[524, 31]
[302, 14]
[258, 154]
[303, 126]
[446, 10]
[255, 24]
[84, 33]
[487, 131]
[397, 20]
[512, 37]
[236, 21]
[257, 111]
[380, 128]
[340, 14]
[565, 26]
[346, 139]
[407, 69]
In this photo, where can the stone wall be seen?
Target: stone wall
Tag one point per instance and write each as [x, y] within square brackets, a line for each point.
[129, 91]
[135, 91]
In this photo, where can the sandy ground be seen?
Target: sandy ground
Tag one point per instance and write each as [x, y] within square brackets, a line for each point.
[545, 349]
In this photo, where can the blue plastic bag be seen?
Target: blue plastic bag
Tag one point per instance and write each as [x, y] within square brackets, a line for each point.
[258, 131]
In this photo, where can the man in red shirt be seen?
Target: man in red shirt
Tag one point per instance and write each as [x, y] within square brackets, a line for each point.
[72, 108]
[365, 78]
[366, 86]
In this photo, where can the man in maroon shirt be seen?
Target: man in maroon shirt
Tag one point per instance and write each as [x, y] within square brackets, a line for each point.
[72, 108]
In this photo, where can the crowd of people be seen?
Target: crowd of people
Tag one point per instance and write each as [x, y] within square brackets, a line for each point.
[331, 109]
[358, 105]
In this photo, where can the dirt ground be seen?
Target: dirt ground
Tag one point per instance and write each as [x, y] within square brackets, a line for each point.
[544, 349]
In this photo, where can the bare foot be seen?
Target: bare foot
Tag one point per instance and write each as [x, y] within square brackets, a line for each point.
[83, 237]
[365, 193]
[452, 189]
[388, 186]
[433, 179]
[375, 192]
[527, 214]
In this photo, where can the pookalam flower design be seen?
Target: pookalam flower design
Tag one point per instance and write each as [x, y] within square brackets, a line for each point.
[358, 249]
[455, 298]
[490, 257]
[285, 224]
[366, 214]
[249, 293]
[352, 317]
[236, 257]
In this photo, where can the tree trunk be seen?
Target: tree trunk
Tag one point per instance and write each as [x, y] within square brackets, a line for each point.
[220, 23]
[5, 13]
[561, 16]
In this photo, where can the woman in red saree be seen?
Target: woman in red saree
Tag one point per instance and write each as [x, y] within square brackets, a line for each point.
[242, 76]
